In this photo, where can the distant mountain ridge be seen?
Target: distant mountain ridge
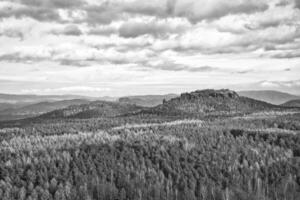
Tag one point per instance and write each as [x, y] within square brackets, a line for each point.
[16, 106]
[207, 102]
[270, 96]
[292, 103]
[14, 98]
[37, 109]
[210, 101]
[146, 100]
[5, 106]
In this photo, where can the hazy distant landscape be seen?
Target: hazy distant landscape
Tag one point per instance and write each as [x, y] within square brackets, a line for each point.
[25, 106]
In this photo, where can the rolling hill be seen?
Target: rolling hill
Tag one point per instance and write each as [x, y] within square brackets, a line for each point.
[92, 110]
[37, 109]
[146, 100]
[292, 103]
[203, 102]
[5, 106]
[270, 96]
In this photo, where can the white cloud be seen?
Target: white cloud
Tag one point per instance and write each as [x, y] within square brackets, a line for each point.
[165, 41]
[282, 84]
[269, 84]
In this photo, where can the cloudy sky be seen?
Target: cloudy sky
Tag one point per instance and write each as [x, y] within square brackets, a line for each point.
[126, 47]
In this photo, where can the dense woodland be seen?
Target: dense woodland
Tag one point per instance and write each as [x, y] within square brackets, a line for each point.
[146, 155]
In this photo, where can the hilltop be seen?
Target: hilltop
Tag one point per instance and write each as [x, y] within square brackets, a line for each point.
[210, 102]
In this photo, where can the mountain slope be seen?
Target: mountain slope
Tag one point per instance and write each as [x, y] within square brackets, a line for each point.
[292, 103]
[92, 110]
[146, 100]
[203, 102]
[270, 96]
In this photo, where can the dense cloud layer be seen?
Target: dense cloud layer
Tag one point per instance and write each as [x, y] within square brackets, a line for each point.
[192, 36]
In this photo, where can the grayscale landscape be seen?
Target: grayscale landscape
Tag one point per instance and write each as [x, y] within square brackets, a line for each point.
[149, 100]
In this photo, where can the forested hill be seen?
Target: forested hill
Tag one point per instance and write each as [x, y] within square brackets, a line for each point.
[92, 110]
[292, 103]
[211, 101]
[200, 103]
